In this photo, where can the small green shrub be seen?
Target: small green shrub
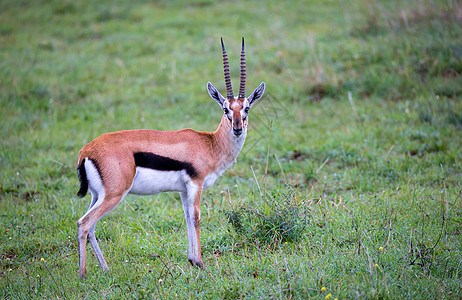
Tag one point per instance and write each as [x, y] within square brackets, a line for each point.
[279, 217]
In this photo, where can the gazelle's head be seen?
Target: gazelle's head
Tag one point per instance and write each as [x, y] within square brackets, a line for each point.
[236, 109]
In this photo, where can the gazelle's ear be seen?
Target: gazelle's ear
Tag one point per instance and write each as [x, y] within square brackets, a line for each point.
[215, 94]
[256, 94]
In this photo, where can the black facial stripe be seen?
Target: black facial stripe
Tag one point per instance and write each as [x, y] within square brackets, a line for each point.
[162, 163]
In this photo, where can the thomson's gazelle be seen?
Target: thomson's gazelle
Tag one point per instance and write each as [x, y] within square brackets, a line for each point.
[149, 162]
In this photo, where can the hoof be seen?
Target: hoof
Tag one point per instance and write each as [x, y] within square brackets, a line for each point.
[198, 264]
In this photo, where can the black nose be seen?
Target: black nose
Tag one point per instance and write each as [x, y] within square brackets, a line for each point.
[237, 131]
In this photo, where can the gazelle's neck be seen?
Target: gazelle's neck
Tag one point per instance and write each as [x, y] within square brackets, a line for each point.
[226, 145]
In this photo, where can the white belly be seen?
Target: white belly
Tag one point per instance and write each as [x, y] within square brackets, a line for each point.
[151, 182]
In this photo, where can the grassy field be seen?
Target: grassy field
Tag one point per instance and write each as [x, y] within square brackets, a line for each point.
[356, 146]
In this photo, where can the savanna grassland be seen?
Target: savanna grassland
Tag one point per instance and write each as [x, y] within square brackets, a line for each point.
[349, 185]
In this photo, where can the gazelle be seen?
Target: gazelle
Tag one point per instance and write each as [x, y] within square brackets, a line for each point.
[148, 162]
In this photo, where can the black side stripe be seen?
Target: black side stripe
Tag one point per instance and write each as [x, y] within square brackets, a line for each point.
[162, 163]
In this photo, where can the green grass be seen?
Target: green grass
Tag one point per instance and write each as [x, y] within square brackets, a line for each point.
[377, 176]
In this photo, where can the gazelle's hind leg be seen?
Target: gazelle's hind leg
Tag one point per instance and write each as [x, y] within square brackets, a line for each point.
[95, 246]
[101, 204]
[93, 241]
[86, 228]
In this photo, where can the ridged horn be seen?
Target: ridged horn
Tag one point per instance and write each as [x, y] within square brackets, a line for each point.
[229, 88]
[242, 83]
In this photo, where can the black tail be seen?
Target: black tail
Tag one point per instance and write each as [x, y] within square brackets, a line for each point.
[83, 179]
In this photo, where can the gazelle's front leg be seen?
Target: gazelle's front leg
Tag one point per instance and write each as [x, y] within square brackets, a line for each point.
[191, 204]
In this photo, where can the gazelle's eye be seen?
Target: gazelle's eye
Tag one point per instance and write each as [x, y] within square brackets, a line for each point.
[226, 110]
